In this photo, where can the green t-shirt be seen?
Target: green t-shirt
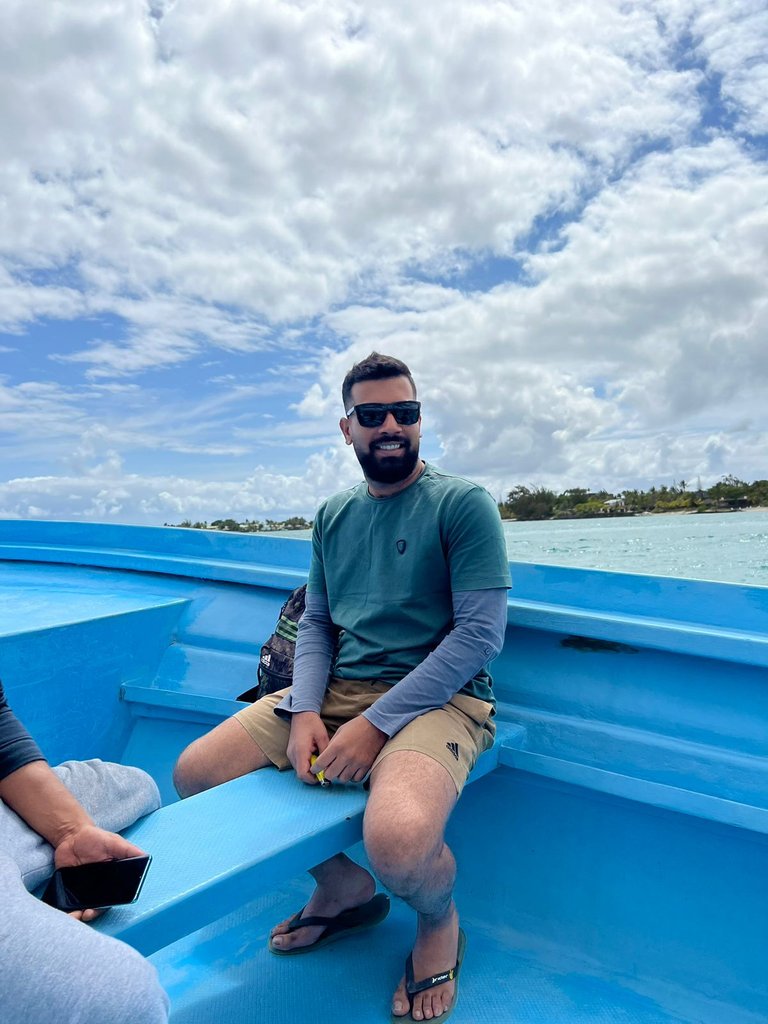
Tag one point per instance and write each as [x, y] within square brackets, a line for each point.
[389, 565]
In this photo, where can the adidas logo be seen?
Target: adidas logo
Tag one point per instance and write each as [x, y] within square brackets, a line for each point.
[454, 749]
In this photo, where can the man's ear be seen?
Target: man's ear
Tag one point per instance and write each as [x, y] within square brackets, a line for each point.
[344, 427]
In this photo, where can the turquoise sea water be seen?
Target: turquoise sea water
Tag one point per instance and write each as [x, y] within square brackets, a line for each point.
[730, 547]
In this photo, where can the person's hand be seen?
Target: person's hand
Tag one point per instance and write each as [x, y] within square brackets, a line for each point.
[349, 755]
[86, 846]
[308, 736]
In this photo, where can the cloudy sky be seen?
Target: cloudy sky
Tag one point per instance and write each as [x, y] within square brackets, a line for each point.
[556, 211]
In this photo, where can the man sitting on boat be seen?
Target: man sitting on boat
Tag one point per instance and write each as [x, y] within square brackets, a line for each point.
[54, 968]
[406, 605]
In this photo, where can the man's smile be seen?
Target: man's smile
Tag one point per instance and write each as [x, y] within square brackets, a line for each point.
[388, 446]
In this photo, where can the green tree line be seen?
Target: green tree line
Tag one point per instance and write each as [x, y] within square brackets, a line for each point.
[523, 502]
[249, 526]
[728, 494]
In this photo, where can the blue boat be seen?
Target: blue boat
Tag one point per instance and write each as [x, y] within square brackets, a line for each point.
[612, 847]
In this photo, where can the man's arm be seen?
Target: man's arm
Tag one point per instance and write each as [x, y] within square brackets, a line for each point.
[312, 664]
[480, 618]
[476, 554]
[30, 788]
[314, 652]
[36, 794]
[17, 747]
[477, 636]
[316, 641]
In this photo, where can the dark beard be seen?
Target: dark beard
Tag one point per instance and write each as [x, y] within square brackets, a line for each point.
[388, 469]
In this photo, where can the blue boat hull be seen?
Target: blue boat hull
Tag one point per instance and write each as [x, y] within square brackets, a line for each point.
[612, 857]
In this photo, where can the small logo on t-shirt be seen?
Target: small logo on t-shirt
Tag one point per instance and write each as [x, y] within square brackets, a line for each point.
[454, 749]
[401, 546]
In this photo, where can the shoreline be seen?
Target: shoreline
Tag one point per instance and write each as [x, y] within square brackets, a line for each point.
[638, 515]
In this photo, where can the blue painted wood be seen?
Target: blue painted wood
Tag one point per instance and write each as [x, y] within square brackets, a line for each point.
[728, 773]
[196, 567]
[65, 682]
[612, 867]
[667, 904]
[151, 700]
[673, 798]
[509, 978]
[700, 640]
[667, 598]
[214, 850]
[215, 545]
[281, 562]
[209, 850]
[188, 667]
[204, 554]
[579, 907]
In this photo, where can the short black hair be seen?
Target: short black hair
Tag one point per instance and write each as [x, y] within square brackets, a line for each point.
[374, 367]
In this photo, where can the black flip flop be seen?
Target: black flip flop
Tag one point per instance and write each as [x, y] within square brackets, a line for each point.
[412, 987]
[346, 923]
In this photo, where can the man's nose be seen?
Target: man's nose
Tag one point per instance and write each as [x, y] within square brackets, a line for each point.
[390, 424]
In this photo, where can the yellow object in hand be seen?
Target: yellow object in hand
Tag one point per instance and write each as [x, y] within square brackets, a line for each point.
[320, 776]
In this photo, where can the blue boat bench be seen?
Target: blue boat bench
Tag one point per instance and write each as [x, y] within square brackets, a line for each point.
[220, 849]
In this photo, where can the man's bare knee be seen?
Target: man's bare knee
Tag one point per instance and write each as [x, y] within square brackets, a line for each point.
[410, 801]
[399, 848]
[225, 753]
[189, 775]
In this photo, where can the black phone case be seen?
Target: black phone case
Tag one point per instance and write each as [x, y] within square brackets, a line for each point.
[62, 888]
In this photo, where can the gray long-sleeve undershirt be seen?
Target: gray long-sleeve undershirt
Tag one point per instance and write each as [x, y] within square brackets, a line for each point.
[477, 636]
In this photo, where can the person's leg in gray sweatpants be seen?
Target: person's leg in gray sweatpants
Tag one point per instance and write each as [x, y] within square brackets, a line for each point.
[53, 967]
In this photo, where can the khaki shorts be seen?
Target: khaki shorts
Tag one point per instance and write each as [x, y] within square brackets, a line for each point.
[454, 735]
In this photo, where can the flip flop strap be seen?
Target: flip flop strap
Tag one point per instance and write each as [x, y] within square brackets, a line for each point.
[367, 913]
[297, 921]
[412, 987]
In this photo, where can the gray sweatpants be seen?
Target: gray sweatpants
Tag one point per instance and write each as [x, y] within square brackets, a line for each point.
[53, 967]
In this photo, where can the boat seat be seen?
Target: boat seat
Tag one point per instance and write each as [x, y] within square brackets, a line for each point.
[220, 849]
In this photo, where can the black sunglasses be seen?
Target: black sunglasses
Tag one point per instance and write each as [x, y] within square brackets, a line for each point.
[373, 414]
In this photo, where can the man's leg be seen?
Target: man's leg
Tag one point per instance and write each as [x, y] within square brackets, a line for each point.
[341, 884]
[231, 750]
[411, 799]
[223, 754]
[415, 784]
[57, 969]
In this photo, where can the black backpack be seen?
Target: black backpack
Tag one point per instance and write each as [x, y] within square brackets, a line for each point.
[276, 659]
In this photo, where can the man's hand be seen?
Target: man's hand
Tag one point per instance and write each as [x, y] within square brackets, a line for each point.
[308, 736]
[349, 755]
[87, 845]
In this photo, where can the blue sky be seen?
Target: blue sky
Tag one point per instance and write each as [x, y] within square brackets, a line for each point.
[556, 213]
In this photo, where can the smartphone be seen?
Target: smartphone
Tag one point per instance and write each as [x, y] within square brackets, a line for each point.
[105, 883]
